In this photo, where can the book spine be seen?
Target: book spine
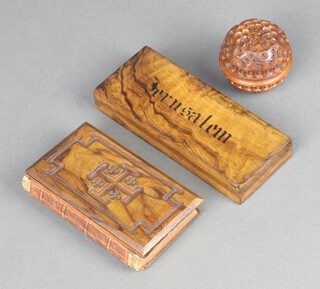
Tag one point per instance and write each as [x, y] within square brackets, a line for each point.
[81, 222]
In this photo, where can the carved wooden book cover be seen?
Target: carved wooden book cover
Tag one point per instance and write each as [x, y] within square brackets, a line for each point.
[223, 143]
[117, 199]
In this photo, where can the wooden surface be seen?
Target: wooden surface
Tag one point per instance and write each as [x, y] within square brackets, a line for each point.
[113, 196]
[211, 135]
[255, 55]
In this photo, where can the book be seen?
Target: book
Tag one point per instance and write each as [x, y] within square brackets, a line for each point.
[117, 199]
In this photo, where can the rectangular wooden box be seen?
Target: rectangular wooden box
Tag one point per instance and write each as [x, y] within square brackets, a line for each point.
[214, 137]
[117, 199]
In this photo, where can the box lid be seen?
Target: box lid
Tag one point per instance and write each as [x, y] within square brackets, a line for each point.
[213, 136]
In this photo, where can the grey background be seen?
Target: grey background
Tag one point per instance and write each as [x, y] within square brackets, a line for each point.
[54, 53]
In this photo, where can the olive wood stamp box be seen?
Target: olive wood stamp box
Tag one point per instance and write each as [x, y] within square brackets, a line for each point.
[214, 137]
[117, 199]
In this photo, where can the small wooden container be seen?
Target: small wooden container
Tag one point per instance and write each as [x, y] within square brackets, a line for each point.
[117, 199]
[255, 55]
[214, 137]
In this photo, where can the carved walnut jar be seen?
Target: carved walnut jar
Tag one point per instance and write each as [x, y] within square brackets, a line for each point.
[255, 55]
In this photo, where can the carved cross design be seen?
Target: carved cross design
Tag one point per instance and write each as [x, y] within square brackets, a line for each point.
[114, 182]
[108, 178]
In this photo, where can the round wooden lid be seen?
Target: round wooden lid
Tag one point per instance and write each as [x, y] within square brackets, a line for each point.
[255, 55]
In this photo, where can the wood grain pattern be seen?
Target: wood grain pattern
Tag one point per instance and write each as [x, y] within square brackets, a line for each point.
[223, 143]
[113, 196]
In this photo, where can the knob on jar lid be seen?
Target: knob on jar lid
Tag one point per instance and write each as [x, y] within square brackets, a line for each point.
[255, 55]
